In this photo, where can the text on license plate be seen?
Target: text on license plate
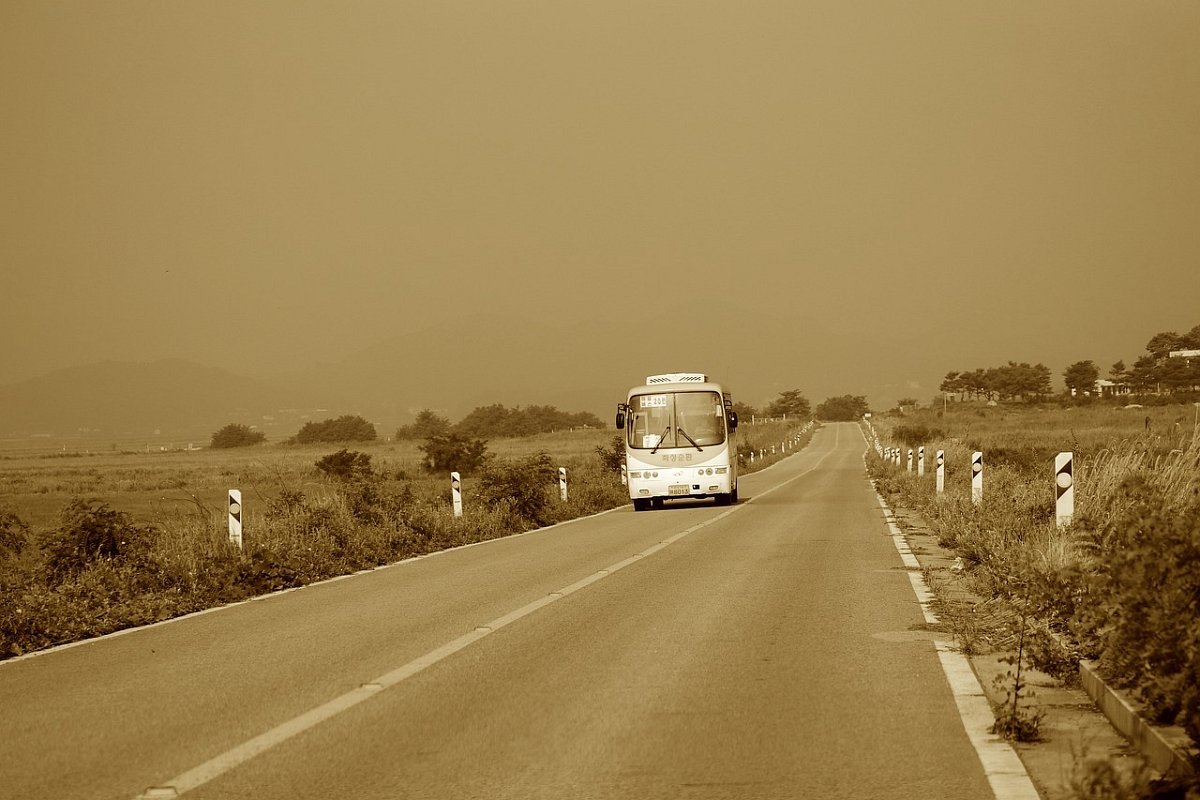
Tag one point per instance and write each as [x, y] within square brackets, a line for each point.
[679, 489]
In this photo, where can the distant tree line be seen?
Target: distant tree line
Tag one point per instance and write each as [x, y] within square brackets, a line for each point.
[1155, 372]
[1158, 372]
[498, 421]
[1010, 382]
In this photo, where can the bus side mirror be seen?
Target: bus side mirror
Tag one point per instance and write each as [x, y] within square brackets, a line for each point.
[733, 420]
[621, 416]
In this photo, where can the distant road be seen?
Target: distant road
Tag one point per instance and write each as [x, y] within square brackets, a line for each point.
[764, 651]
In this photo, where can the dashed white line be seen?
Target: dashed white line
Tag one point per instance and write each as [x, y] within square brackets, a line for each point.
[217, 766]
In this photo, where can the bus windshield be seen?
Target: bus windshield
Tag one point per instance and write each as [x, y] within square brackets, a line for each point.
[675, 419]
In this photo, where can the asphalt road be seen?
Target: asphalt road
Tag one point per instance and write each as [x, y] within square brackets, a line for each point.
[768, 650]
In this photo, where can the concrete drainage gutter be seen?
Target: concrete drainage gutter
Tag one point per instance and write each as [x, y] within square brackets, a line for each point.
[1166, 748]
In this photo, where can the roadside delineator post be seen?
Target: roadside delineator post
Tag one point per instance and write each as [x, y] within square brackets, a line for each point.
[977, 477]
[1064, 487]
[235, 517]
[921, 461]
[562, 483]
[941, 471]
[456, 492]
[624, 475]
[910, 459]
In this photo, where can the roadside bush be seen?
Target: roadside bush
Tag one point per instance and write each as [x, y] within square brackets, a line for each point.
[345, 465]
[612, 458]
[91, 532]
[1142, 608]
[916, 435]
[522, 485]
[453, 452]
[13, 534]
[236, 435]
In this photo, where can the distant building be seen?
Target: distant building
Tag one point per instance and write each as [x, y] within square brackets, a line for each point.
[1107, 388]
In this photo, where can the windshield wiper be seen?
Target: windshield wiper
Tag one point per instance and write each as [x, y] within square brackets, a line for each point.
[663, 436]
[683, 433]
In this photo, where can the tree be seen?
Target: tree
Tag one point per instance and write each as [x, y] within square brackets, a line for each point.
[1117, 372]
[1161, 344]
[346, 428]
[236, 435]
[846, 408]
[744, 410]
[1081, 377]
[425, 425]
[907, 402]
[791, 403]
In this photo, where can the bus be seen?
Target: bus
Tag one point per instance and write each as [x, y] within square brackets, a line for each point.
[680, 440]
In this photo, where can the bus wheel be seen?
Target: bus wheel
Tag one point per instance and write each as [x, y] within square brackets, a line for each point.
[724, 499]
[641, 504]
[733, 496]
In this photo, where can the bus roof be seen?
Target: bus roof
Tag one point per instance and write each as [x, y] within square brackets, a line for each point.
[677, 386]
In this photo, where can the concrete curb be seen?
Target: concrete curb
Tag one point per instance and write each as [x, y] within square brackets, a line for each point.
[1165, 748]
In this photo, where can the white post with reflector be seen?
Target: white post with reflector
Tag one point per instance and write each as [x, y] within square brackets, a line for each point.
[1064, 487]
[941, 471]
[977, 477]
[456, 492]
[624, 475]
[235, 517]
[920, 461]
[910, 454]
[562, 483]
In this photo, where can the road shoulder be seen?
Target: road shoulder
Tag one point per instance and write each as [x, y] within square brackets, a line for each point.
[1073, 731]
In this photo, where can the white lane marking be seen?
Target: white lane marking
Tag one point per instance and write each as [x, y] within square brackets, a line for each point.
[1001, 765]
[269, 595]
[219, 765]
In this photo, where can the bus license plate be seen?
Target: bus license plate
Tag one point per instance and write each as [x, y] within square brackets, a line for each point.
[679, 489]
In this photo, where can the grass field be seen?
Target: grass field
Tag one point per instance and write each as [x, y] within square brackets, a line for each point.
[155, 485]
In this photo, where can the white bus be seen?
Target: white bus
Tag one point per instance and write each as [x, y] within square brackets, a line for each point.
[680, 440]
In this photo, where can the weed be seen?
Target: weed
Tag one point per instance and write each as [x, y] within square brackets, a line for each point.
[1012, 721]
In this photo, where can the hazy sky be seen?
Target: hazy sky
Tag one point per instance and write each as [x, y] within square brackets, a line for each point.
[263, 185]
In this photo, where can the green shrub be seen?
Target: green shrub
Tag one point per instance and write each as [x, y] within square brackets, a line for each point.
[236, 435]
[454, 452]
[522, 485]
[90, 531]
[13, 534]
[1142, 608]
[346, 465]
[612, 458]
[346, 428]
[916, 435]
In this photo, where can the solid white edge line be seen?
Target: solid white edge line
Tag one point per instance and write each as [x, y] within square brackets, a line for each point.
[228, 760]
[1005, 773]
[260, 597]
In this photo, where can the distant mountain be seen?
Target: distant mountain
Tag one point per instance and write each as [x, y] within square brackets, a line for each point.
[516, 361]
[116, 398]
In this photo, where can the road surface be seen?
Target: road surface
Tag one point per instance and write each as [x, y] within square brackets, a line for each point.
[769, 650]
